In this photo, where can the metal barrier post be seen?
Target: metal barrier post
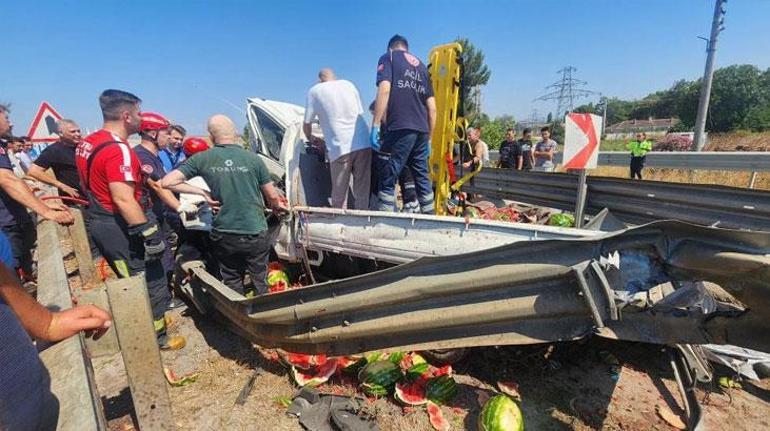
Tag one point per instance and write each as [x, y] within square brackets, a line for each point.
[580, 204]
[753, 179]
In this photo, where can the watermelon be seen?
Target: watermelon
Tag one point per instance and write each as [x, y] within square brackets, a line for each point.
[416, 371]
[501, 413]
[277, 281]
[379, 377]
[562, 220]
[314, 376]
[175, 380]
[411, 393]
[396, 357]
[441, 389]
[410, 360]
[300, 360]
[437, 418]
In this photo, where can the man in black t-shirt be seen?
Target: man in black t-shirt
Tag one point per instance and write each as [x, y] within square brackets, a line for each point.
[510, 152]
[405, 101]
[525, 147]
[60, 158]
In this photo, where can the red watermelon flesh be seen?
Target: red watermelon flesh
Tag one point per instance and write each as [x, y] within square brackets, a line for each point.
[437, 418]
[315, 376]
[411, 393]
[302, 361]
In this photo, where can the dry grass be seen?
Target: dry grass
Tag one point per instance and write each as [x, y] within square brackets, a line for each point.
[724, 178]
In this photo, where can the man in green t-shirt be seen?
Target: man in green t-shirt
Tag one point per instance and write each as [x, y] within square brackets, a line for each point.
[639, 149]
[238, 179]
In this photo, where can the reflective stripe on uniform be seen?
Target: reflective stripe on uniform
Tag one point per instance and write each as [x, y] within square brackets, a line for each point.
[122, 268]
[124, 151]
[160, 324]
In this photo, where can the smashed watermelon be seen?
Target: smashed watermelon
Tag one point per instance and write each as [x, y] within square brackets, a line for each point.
[314, 376]
[411, 392]
[301, 360]
[437, 418]
[379, 377]
[441, 389]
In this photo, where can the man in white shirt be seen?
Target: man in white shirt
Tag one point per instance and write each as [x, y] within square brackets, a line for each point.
[337, 105]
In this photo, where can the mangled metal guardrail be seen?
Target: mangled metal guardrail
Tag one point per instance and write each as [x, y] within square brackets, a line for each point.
[527, 292]
[632, 201]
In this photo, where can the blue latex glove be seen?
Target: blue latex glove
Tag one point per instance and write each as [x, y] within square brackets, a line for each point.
[374, 138]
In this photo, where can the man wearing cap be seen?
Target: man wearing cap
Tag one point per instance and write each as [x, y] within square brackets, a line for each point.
[122, 224]
[405, 100]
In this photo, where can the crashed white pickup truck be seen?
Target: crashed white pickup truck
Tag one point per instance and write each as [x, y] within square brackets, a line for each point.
[417, 282]
[276, 136]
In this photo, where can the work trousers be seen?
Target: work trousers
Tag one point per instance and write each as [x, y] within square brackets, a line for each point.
[637, 164]
[239, 254]
[404, 149]
[22, 238]
[356, 165]
[125, 254]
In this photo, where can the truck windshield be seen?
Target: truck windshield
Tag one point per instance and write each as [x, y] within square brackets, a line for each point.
[272, 134]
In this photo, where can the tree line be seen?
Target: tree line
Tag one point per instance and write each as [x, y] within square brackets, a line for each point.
[740, 100]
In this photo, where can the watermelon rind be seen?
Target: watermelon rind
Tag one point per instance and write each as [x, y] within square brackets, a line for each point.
[315, 376]
[437, 420]
[410, 393]
[379, 377]
[441, 389]
[500, 413]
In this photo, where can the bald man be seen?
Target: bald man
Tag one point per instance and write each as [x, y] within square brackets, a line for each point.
[239, 180]
[337, 106]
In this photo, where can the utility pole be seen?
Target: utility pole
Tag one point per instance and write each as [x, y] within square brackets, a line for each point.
[603, 99]
[705, 91]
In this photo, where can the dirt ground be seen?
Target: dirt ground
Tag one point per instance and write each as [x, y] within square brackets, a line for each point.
[573, 388]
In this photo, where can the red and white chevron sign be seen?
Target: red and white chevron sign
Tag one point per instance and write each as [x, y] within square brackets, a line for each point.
[582, 133]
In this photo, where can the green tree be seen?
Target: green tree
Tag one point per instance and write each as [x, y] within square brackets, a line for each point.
[475, 75]
[493, 132]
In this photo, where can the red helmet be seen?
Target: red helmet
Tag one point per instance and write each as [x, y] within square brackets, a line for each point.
[153, 121]
[194, 145]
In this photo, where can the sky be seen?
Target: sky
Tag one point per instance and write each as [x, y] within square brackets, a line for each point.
[190, 59]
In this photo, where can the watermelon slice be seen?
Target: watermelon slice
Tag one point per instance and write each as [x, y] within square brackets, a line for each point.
[411, 393]
[300, 360]
[437, 418]
[314, 376]
[175, 380]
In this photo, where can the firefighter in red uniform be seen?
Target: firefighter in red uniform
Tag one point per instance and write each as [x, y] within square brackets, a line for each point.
[122, 223]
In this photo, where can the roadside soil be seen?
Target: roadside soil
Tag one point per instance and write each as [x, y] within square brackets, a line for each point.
[562, 386]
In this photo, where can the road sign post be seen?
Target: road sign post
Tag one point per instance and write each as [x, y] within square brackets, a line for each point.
[581, 152]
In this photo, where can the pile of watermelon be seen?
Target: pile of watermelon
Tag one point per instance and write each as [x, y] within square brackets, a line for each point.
[278, 279]
[407, 376]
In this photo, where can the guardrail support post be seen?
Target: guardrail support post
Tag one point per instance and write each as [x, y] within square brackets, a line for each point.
[753, 179]
[132, 318]
[580, 204]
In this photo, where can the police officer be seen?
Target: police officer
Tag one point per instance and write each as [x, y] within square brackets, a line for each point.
[125, 231]
[155, 133]
[405, 99]
[241, 182]
[639, 149]
[15, 221]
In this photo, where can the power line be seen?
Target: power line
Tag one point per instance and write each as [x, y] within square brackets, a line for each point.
[566, 91]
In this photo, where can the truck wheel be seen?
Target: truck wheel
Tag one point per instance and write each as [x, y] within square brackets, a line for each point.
[445, 356]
